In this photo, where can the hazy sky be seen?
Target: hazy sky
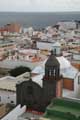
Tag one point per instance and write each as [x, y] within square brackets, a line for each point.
[40, 5]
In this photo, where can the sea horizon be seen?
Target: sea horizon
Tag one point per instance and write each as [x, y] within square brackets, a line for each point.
[37, 19]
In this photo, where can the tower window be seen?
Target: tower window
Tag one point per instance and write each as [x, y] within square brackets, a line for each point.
[54, 73]
[30, 90]
[49, 72]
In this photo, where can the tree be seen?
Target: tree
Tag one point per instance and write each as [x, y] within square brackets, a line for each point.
[19, 70]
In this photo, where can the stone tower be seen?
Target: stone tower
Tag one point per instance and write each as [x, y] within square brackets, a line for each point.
[52, 83]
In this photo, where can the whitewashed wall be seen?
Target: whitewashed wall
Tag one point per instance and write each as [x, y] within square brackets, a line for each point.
[44, 45]
[76, 92]
[76, 56]
[13, 115]
[77, 87]
[7, 97]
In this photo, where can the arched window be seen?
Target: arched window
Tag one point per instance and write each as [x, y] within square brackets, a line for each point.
[54, 72]
[50, 72]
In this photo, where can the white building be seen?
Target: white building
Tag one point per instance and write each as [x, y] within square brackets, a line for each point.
[67, 25]
[76, 55]
[44, 45]
[49, 45]
[8, 88]
[74, 90]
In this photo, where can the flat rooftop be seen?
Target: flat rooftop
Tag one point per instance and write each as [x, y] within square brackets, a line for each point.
[12, 81]
[6, 42]
[66, 109]
[63, 109]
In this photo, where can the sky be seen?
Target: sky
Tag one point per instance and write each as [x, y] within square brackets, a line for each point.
[39, 5]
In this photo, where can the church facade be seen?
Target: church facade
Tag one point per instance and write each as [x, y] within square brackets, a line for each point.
[36, 97]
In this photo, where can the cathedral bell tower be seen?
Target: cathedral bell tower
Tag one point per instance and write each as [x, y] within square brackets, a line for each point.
[52, 68]
[52, 83]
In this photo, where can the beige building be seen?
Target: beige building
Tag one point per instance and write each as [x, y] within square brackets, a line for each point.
[4, 47]
[13, 27]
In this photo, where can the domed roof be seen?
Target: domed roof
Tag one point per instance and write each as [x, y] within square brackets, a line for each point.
[52, 61]
[64, 63]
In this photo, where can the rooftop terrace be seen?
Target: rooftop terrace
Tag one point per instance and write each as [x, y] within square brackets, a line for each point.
[63, 109]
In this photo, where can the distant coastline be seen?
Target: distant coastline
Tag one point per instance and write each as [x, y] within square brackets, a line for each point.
[37, 19]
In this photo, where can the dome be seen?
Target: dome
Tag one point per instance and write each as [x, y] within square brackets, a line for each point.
[52, 61]
[64, 63]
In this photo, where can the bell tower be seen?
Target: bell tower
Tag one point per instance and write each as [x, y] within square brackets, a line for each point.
[52, 83]
[52, 68]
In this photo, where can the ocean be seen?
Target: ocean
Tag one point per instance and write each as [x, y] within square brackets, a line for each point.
[37, 20]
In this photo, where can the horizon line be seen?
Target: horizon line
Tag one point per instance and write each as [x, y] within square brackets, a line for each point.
[38, 11]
